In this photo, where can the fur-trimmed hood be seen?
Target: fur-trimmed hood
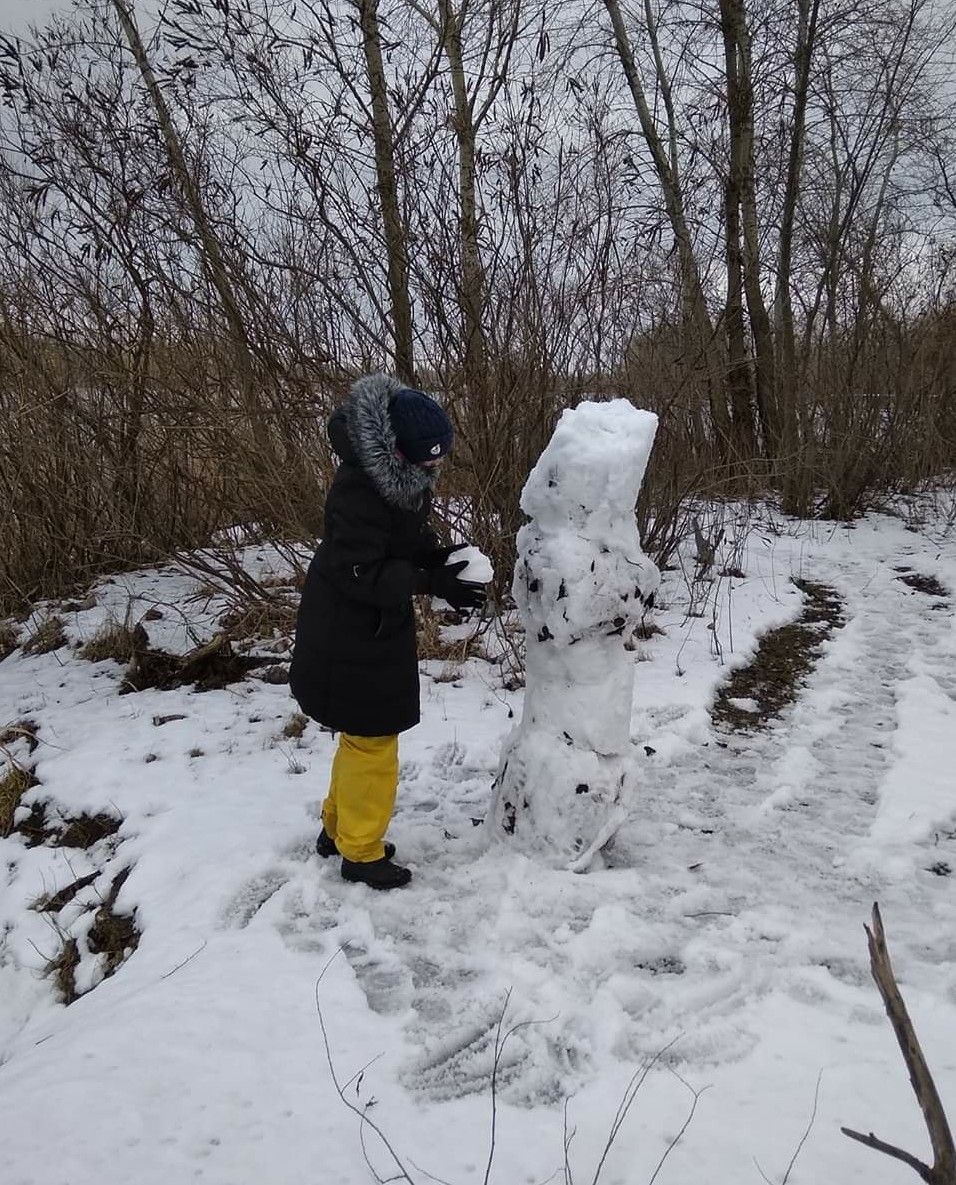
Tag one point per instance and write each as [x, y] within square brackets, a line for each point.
[361, 433]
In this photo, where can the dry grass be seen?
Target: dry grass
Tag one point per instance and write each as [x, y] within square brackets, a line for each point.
[22, 730]
[48, 636]
[270, 618]
[62, 968]
[295, 726]
[113, 640]
[9, 635]
[13, 785]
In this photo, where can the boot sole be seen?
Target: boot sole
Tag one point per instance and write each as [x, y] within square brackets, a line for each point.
[358, 880]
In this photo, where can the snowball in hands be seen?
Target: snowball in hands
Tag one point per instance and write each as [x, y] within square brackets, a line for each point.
[478, 570]
[581, 582]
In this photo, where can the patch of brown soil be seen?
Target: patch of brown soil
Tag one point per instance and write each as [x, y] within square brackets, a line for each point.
[76, 831]
[785, 657]
[62, 897]
[209, 667]
[924, 584]
[113, 935]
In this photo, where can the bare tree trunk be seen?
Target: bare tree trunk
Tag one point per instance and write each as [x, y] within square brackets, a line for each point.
[786, 341]
[696, 315]
[396, 239]
[212, 250]
[760, 326]
[472, 274]
[738, 372]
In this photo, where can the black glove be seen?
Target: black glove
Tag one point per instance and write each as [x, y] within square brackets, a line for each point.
[438, 557]
[446, 582]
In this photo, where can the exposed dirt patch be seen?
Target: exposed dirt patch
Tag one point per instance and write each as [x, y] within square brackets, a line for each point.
[924, 584]
[83, 831]
[62, 897]
[113, 935]
[784, 658]
[76, 831]
[209, 667]
[665, 965]
[34, 827]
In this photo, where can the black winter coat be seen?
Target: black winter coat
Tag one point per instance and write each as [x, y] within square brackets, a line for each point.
[355, 662]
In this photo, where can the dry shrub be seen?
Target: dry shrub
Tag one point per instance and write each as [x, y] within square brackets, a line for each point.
[113, 640]
[267, 618]
[47, 637]
[431, 644]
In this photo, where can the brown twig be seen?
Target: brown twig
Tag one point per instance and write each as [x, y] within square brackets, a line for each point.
[943, 1170]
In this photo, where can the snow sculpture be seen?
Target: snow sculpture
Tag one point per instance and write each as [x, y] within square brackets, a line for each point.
[581, 584]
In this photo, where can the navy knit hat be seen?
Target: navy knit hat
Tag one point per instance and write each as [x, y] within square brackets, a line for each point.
[423, 431]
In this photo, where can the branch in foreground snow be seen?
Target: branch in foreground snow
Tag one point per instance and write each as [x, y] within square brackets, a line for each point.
[943, 1170]
[800, 1143]
[502, 1038]
[402, 1173]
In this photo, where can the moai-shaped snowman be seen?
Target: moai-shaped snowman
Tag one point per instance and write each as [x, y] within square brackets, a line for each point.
[581, 585]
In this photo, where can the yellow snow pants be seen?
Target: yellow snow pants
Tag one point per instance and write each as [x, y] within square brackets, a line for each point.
[361, 797]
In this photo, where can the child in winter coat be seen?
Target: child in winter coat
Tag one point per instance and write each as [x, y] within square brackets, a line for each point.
[355, 663]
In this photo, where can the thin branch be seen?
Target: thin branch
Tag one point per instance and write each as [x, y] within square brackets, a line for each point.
[806, 1134]
[627, 1101]
[189, 958]
[680, 1135]
[568, 1137]
[361, 1112]
[891, 1150]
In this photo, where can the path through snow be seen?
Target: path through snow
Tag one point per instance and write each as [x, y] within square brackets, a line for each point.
[728, 919]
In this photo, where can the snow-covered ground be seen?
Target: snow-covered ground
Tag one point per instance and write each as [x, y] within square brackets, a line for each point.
[726, 930]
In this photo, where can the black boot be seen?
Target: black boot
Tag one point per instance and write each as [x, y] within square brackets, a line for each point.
[325, 846]
[377, 874]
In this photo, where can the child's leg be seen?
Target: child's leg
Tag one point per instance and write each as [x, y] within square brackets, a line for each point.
[364, 782]
[330, 810]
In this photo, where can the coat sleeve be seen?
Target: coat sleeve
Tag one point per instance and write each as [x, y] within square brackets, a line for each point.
[357, 530]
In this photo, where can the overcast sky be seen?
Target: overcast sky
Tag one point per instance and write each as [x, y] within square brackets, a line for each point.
[15, 15]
